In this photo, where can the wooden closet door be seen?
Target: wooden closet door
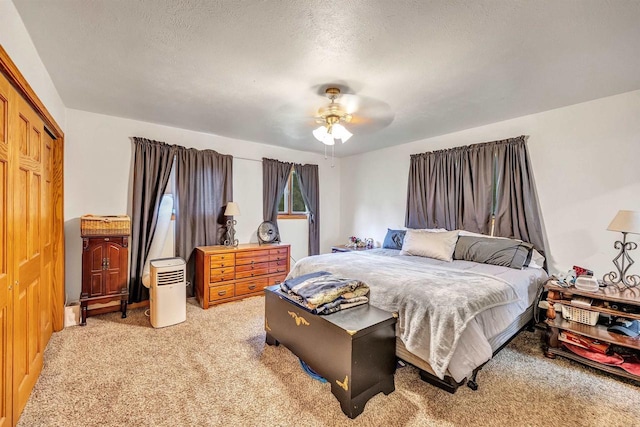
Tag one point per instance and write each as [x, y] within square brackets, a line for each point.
[47, 218]
[26, 139]
[6, 336]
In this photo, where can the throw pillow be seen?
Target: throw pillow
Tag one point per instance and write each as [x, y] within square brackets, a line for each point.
[504, 252]
[393, 239]
[428, 244]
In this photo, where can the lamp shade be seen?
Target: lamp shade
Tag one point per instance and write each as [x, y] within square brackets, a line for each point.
[232, 209]
[626, 222]
[320, 133]
[341, 133]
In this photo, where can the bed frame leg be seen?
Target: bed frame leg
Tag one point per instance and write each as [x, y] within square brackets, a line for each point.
[472, 384]
[448, 384]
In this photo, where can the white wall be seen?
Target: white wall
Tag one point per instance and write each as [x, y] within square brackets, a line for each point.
[98, 163]
[586, 161]
[15, 39]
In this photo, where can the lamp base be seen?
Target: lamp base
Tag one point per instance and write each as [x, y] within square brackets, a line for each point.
[622, 261]
[231, 240]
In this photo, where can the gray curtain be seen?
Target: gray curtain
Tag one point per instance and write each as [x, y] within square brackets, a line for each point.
[274, 179]
[435, 190]
[477, 188]
[151, 171]
[203, 188]
[463, 187]
[517, 209]
[309, 186]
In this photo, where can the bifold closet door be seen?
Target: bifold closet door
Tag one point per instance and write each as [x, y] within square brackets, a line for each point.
[26, 140]
[6, 279]
[47, 238]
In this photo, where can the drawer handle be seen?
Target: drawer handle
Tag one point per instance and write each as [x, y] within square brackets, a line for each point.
[222, 293]
[221, 265]
[252, 261]
[252, 287]
[251, 274]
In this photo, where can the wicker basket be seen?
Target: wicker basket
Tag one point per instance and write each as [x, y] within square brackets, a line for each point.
[96, 225]
[580, 315]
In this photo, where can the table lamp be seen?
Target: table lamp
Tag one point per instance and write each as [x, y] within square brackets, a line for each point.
[231, 210]
[624, 222]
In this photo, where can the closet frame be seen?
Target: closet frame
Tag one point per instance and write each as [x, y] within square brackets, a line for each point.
[19, 371]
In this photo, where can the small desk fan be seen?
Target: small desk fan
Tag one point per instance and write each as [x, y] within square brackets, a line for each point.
[268, 233]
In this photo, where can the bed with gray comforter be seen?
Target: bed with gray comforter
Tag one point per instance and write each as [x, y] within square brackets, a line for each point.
[447, 311]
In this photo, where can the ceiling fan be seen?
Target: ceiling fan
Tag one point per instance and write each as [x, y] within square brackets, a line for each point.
[331, 119]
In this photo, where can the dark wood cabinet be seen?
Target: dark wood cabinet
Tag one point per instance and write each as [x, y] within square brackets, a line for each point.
[104, 271]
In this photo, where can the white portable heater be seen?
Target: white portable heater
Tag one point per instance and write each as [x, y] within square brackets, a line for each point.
[168, 292]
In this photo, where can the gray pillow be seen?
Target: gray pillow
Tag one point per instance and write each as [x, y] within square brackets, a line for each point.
[504, 252]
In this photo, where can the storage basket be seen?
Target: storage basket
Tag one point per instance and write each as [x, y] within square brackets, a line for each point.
[113, 225]
[580, 315]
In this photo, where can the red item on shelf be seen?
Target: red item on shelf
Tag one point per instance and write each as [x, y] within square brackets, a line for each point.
[584, 342]
[613, 360]
[631, 365]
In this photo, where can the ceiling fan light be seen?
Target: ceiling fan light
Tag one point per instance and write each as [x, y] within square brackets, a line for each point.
[328, 140]
[340, 132]
[320, 133]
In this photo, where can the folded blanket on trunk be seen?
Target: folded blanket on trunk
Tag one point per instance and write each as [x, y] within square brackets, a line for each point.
[324, 293]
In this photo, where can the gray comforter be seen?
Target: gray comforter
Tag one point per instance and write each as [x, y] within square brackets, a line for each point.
[434, 303]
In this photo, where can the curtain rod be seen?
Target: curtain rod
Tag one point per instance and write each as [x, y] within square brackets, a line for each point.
[244, 158]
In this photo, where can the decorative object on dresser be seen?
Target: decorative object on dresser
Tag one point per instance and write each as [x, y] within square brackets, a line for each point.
[353, 349]
[624, 222]
[231, 210]
[586, 329]
[268, 233]
[105, 257]
[226, 274]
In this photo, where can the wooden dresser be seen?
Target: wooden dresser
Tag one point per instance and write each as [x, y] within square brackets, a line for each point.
[225, 274]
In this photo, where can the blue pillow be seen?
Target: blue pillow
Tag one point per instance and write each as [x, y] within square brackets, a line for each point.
[394, 239]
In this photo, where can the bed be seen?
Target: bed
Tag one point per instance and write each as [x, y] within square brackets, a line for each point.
[453, 316]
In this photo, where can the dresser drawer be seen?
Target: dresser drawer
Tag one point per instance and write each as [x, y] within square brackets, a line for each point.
[278, 266]
[252, 254]
[221, 292]
[278, 256]
[276, 280]
[253, 273]
[221, 274]
[251, 267]
[251, 286]
[263, 257]
[221, 260]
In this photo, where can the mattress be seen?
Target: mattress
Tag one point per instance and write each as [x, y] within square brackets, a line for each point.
[474, 345]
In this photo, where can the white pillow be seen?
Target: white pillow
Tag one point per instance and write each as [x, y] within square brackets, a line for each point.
[432, 230]
[537, 260]
[429, 244]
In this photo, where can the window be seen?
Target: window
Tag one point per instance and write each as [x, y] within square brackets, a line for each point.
[292, 204]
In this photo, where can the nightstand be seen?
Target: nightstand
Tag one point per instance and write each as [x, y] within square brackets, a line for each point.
[609, 301]
[345, 248]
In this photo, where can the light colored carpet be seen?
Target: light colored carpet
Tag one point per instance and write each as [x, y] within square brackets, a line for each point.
[215, 369]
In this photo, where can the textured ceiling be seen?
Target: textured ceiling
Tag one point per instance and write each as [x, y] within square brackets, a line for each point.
[253, 70]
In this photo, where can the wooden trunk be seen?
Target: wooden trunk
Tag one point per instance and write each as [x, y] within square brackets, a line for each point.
[353, 349]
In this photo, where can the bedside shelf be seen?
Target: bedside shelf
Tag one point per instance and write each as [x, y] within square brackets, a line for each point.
[555, 323]
[610, 369]
[598, 332]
